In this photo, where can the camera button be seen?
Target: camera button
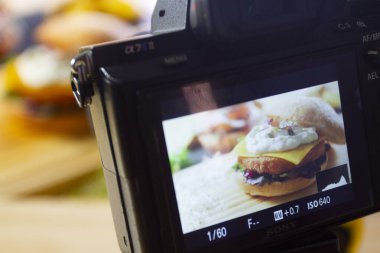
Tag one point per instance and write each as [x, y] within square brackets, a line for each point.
[174, 60]
[373, 54]
[344, 27]
[361, 25]
[373, 76]
[81, 79]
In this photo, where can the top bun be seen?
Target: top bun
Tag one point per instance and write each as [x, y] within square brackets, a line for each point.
[312, 112]
[70, 31]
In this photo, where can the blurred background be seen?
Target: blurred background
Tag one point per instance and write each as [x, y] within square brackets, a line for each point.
[52, 193]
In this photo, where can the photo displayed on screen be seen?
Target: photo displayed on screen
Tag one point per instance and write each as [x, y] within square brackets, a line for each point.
[238, 160]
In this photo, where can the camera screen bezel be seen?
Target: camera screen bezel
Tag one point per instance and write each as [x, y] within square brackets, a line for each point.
[151, 123]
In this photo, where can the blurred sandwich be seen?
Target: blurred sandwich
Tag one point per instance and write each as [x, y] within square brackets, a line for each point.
[39, 78]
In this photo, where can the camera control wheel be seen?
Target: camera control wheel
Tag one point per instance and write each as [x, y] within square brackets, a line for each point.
[81, 79]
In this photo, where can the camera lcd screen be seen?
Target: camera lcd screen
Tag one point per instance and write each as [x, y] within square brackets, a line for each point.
[248, 154]
[217, 156]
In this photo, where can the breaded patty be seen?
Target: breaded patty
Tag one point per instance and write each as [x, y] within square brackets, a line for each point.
[274, 165]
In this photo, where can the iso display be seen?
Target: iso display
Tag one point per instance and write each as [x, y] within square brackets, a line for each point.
[323, 201]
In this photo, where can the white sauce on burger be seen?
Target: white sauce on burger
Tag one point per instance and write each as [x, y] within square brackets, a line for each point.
[267, 138]
[40, 67]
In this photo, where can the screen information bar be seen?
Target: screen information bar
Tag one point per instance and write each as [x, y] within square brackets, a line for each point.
[269, 217]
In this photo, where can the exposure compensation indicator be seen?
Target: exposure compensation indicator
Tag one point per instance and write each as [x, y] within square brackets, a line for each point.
[284, 213]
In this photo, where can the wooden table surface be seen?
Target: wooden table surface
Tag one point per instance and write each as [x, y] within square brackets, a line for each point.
[56, 226]
[85, 226]
[370, 241]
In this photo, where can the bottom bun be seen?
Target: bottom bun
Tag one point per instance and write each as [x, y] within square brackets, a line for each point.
[17, 119]
[276, 188]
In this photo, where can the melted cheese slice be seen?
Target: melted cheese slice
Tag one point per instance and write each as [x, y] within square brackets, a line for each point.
[294, 156]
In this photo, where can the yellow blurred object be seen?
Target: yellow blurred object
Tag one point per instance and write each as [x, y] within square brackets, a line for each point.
[356, 229]
[332, 98]
[117, 8]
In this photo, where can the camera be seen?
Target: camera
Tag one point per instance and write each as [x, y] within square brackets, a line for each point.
[237, 125]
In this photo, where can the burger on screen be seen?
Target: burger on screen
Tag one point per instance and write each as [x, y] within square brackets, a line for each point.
[283, 155]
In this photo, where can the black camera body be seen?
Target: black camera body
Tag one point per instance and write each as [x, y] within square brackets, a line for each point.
[151, 96]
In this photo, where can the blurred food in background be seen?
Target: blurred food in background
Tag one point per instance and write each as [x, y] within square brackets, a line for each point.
[223, 135]
[39, 118]
[210, 133]
[37, 81]
[70, 31]
[119, 8]
[129, 9]
[36, 85]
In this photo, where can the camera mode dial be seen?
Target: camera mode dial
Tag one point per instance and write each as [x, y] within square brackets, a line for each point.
[81, 79]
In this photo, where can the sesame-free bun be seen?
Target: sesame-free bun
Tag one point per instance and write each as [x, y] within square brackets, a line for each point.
[276, 188]
[70, 31]
[312, 112]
